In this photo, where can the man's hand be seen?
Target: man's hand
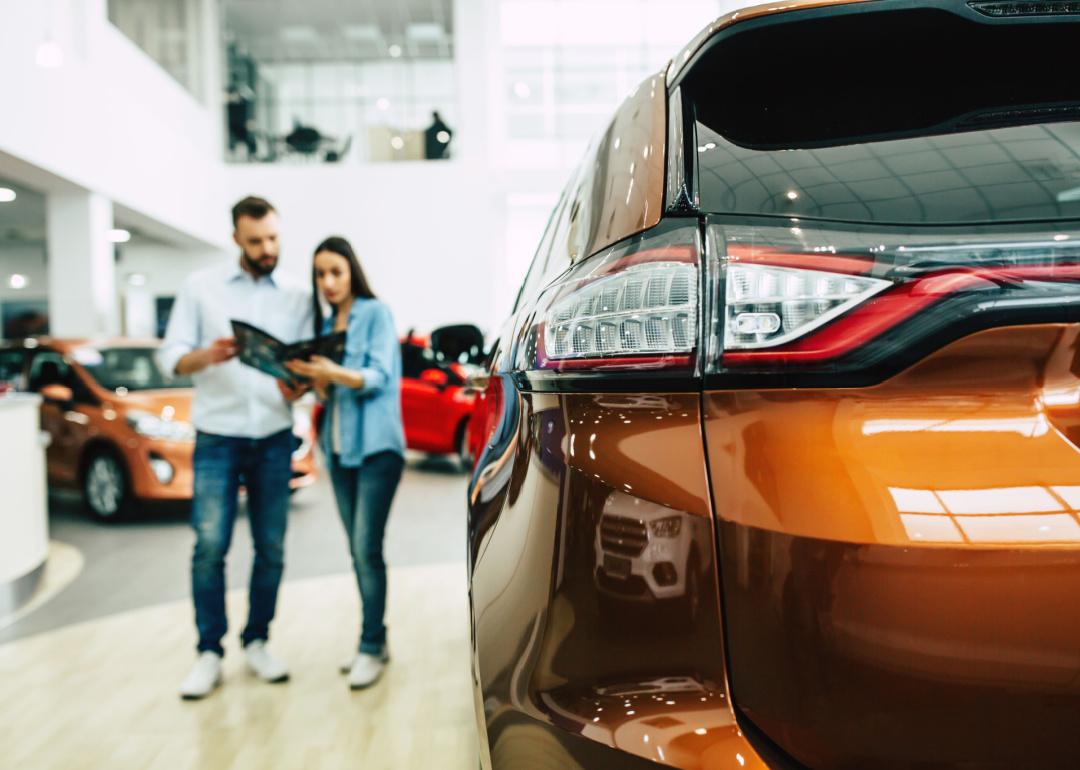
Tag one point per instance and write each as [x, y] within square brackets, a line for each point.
[220, 351]
[291, 394]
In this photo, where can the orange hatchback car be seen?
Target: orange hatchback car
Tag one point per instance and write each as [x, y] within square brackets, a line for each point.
[120, 431]
[781, 444]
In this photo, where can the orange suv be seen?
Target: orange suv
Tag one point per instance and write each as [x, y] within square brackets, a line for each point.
[120, 431]
[780, 460]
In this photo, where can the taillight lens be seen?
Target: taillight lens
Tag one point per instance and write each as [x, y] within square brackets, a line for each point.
[830, 300]
[767, 306]
[633, 307]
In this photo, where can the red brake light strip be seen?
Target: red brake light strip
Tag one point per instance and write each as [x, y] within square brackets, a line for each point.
[888, 309]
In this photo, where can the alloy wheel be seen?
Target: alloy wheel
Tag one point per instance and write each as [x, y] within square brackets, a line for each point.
[104, 486]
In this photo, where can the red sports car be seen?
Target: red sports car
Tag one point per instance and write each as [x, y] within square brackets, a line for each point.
[436, 404]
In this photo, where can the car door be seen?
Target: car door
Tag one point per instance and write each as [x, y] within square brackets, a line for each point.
[65, 424]
[419, 398]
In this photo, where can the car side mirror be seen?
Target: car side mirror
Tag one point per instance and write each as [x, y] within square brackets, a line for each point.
[58, 394]
[436, 377]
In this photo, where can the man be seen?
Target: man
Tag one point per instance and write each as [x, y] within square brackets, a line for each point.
[437, 139]
[243, 424]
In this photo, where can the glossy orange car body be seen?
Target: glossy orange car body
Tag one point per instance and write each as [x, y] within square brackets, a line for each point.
[772, 562]
[89, 420]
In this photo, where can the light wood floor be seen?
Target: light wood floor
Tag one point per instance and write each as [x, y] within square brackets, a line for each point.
[104, 694]
[64, 564]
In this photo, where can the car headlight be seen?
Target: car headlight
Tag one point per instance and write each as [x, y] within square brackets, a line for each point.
[153, 426]
[669, 526]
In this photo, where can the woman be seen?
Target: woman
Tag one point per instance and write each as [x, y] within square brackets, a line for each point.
[361, 435]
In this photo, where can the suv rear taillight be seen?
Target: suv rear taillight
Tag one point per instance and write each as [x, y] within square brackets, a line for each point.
[809, 298]
[633, 307]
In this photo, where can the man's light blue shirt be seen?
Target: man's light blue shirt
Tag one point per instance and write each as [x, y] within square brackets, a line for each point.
[232, 399]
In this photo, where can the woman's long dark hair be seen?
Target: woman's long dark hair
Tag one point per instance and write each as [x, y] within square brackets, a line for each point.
[358, 281]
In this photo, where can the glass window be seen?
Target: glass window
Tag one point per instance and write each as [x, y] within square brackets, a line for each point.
[126, 368]
[168, 31]
[48, 368]
[12, 363]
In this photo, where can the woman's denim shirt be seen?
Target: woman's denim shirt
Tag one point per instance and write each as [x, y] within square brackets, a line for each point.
[370, 416]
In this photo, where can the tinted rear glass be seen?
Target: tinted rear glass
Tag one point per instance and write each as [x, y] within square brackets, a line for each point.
[905, 117]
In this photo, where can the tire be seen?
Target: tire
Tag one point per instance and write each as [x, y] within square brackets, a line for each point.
[688, 607]
[105, 488]
[465, 459]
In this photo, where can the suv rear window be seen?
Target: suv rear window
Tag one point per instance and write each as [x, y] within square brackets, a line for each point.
[890, 116]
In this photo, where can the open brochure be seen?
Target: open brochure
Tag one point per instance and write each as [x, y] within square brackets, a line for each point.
[268, 354]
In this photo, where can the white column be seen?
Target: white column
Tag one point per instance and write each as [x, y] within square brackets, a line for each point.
[82, 267]
[472, 40]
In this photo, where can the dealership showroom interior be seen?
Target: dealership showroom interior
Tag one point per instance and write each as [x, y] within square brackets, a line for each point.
[539, 384]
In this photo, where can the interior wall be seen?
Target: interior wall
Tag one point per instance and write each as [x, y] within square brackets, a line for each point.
[106, 117]
[426, 234]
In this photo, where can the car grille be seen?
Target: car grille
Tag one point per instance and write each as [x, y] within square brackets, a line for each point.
[626, 537]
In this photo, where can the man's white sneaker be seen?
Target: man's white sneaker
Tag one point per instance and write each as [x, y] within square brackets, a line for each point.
[204, 676]
[264, 665]
[366, 670]
[347, 663]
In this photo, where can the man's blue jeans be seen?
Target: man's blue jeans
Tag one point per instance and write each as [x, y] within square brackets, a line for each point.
[363, 497]
[222, 464]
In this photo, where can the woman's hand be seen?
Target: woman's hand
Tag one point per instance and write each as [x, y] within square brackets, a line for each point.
[316, 368]
[321, 388]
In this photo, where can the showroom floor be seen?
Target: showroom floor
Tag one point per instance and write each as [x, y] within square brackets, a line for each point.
[90, 669]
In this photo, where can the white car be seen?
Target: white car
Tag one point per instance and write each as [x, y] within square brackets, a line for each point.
[647, 552]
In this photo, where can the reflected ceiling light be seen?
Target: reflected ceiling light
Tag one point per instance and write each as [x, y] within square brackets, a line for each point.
[792, 195]
[119, 235]
[427, 31]
[397, 142]
[443, 137]
[394, 51]
[382, 103]
[17, 281]
[522, 90]
[1069, 196]
[50, 55]
[1060, 238]
[361, 32]
[299, 33]
[7, 195]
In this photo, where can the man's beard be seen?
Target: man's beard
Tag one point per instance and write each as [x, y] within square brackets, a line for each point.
[256, 267]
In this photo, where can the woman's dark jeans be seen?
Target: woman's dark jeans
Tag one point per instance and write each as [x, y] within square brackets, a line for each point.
[363, 497]
[222, 464]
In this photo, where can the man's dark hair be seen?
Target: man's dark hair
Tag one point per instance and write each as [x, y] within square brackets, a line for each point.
[253, 207]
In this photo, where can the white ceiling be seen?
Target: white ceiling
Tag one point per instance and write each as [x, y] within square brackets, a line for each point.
[22, 221]
[339, 30]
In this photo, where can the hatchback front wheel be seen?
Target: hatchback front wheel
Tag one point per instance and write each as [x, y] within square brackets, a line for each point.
[105, 487]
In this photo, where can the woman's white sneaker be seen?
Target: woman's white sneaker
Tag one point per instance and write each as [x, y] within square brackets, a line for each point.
[264, 665]
[366, 670]
[204, 676]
